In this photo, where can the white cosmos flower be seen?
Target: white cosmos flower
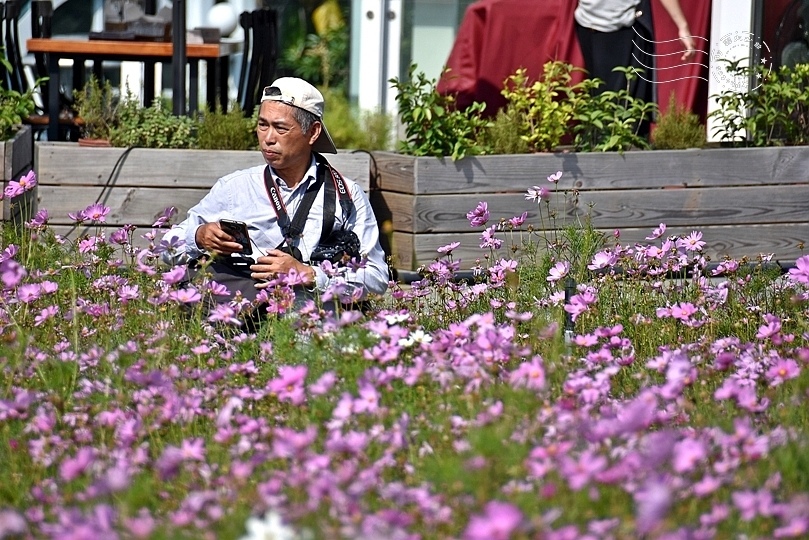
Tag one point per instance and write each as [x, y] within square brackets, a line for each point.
[271, 527]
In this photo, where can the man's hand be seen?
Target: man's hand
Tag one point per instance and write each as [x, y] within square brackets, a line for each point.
[211, 237]
[279, 262]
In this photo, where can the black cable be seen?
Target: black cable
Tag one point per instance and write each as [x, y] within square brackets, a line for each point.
[107, 187]
[374, 180]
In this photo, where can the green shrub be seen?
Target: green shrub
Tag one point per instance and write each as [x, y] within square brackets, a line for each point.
[14, 107]
[351, 128]
[97, 107]
[502, 138]
[678, 129]
[776, 113]
[152, 127]
[611, 120]
[433, 125]
[319, 59]
[227, 131]
[543, 111]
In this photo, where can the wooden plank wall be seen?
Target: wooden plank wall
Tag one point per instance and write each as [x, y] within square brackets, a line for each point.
[745, 201]
[16, 156]
[138, 185]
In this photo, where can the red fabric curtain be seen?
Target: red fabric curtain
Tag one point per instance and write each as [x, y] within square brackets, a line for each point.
[496, 37]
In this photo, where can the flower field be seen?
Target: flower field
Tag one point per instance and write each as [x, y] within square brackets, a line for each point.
[572, 387]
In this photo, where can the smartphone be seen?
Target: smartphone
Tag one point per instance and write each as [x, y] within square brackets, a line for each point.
[238, 230]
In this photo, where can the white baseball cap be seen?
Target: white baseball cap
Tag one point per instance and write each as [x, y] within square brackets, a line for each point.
[301, 94]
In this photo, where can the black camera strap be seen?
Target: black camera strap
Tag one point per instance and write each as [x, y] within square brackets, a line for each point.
[294, 229]
[336, 189]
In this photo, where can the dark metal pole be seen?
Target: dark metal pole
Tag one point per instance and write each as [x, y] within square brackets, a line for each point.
[179, 56]
[570, 324]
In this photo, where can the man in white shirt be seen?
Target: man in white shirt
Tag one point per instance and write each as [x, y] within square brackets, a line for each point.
[268, 198]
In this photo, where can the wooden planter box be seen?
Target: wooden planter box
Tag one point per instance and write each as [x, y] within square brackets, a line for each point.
[17, 157]
[744, 201]
[139, 184]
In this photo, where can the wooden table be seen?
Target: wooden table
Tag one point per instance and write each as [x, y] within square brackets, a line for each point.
[216, 56]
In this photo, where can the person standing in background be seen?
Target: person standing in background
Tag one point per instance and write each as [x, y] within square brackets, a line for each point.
[620, 33]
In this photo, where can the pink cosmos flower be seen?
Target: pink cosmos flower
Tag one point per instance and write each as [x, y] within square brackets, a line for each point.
[185, 296]
[498, 521]
[530, 375]
[39, 220]
[289, 384]
[323, 384]
[602, 259]
[175, 275]
[692, 242]
[128, 292]
[121, 236]
[517, 221]
[9, 253]
[17, 188]
[753, 503]
[11, 273]
[658, 232]
[193, 449]
[771, 328]
[488, 240]
[800, 274]
[96, 212]
[449, 248]
[555, 177]
[72, 468]
[579, 303]
[783, 370]
[48, 287]
[796, 527]
[558, 271]
[368, 400]
[89, 244]
[687, 454]
[683, 310]
[28, 293]
[580, 472]
[726, 267]
[652, 503]
[165, 217]
[479, 216]
[12, 524]
[141, 525]
[706, 486]
[46, 314]
[224, 313]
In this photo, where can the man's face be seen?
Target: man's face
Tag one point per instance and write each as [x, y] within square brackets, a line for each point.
[283, 144]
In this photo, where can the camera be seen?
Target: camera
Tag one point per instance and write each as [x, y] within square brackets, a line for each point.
[340, 244]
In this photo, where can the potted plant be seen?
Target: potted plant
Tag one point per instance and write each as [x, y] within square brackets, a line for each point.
[97, 108]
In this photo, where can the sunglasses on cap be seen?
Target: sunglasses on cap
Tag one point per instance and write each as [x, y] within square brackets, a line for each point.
[274, 93]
